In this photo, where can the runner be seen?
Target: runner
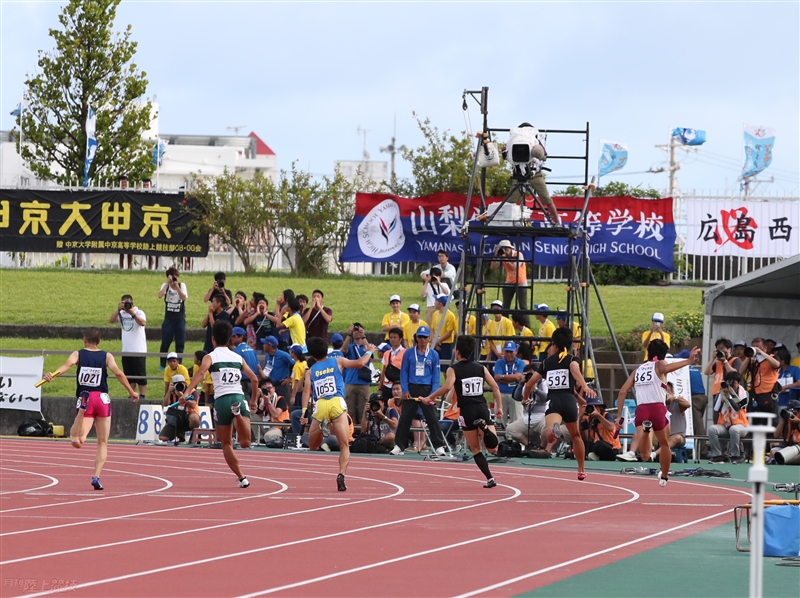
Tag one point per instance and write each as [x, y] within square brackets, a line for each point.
[562, 371]
[649, 382]
[230, 407]
[324, 380]
[467, 377]
[94, 404]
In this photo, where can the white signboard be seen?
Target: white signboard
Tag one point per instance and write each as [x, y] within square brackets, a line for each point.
[680, 380]
[18, 378]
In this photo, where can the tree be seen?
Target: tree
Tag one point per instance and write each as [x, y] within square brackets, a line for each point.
[91, 65]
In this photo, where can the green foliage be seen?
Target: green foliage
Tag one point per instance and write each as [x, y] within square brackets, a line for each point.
[90, 65]
[614, 189]
[632, 340]
[691, 321]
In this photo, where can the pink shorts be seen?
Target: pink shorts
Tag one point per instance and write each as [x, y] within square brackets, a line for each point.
[655, 412]
[98, 405]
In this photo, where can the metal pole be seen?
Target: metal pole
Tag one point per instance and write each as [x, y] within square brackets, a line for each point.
[758, 476]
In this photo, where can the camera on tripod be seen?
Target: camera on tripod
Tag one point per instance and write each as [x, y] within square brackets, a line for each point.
[524, 151]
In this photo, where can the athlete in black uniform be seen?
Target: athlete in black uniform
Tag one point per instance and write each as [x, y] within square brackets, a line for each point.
[467, 377]
[562, 372]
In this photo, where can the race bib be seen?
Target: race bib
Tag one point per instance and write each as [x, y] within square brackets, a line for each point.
[643, 376]
[420, 368]
[325, 387]
[558, 379]
[90, 376]
[230, 375]
[472, 387]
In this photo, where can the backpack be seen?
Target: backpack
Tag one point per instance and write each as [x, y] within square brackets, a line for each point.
[509, 448]
[365, 443]
[35, 427]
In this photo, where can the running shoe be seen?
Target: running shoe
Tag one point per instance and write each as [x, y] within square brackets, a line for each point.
[340, 486]
[96, 484]
[490, 483]
[244, 482]
[556, 431]
[717, 459]
[480, 423]
[83, 400]
[236, 409]
[592, 457]
[325, 447]
[396, 450]
[441, 451]
[662, 481]
[629, 456]
[581, 475]
[739, 459]
[325, 428]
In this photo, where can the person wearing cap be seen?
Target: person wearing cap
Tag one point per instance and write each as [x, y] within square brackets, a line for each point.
[546, 330]
[278, 366]
[721, 363]
[173, 368]
[508, 372]
[356, 382]
[414, 322]
[654, 333]
[432, 288]
[337, 340]
[513, 263]
[496, 325]
[182, 417]
[444, 324]
[392, 360]
[395, 318]
[597, 430]
[173, 327]
[245, 351]
[738, 349]
[316, 316]
[419, 376]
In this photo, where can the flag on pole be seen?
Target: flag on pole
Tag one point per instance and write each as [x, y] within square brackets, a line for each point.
[613, 156]
[689, 136]
[91, 145]
[158, 152]
[17, 111]
[758, 144]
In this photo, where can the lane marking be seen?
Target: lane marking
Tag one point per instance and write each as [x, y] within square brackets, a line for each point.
[53, 481]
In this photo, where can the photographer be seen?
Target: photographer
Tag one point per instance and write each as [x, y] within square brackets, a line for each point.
[763, 370]
[446, 269]
[174, 324]
[654, 333]
[432, 288]
[721, 363]
[216, 313]
[357, 381]
[676, 406]
[182, 414]
[788, 430]
[508, 373]
[379, 420]
[732, 420]
[513, 263]
[219, 288]
[271, 408]
[173, 368]
[597, 430]
[132, 320]
[529, 429]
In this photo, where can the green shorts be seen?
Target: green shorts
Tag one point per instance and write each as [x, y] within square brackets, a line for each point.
[222, 408]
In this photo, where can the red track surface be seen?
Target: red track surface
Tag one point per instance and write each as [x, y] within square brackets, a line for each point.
[172, 522]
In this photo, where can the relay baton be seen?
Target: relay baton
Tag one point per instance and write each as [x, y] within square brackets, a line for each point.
[55, 374]
[424, 402]
[621, 422]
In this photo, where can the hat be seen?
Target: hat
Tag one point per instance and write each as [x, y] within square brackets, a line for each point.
[238, 331]
[541, 307]
[593, 401]
[423, 331]
[504, 243]
[395, 298]
[296, 349]
[743, 344]
[658, 317]
[561, 316]
[510, 346]
[376, 396]
[683, 354]
[497, 302]
[442, 299]
[178, 378]
[270, 340]
[414, 306]
[384, 347]
[172, 355]
[337, 338]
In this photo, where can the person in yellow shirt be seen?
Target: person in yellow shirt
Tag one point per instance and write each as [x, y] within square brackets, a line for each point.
[796, 361]
[654, 333]
[294, 323]
[298, 373]
[173, 369]
[395, 318]
[561, 322]
[447, 335]
[499, 325]
[546, 329]
[414, 322]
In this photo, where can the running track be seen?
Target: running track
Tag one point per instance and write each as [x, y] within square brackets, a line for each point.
[172, 522]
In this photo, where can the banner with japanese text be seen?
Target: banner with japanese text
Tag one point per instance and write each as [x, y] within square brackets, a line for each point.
[742, 228]
[18, 378]
[621, 230]
[98, 222]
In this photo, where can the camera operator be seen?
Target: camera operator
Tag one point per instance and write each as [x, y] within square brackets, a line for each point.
[132, 320]
[271, 408]
[446, 269]
[788, 430]
[513, 263]
[218, 288]
[174, 324]
[732, 420]
[721, 363]
[597, 430]
[676, 406]
[763, 369]
[357, 381]
[380, 420]
[181, 417]
[432, 288]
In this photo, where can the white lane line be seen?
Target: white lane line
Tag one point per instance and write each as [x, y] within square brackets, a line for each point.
[516, 492]
[53, 481]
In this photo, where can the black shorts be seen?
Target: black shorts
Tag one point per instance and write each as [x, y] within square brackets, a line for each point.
[565, 405]
[472, 411]
[135, 369]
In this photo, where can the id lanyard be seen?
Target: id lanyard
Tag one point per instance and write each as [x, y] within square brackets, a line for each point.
[510, 370]
[420, 367]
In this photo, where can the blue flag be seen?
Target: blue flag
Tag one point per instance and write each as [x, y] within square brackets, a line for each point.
[613, 156]
[758, 144]
[17, 111]
[91, 145]
[689, 136]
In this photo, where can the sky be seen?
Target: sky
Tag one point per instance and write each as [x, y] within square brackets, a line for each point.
[306, 77]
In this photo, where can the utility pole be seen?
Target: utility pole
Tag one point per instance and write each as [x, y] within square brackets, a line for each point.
[673, 167]
[392, 149]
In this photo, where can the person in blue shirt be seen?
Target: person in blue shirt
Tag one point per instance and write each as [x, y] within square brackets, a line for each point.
[508, 372]
[278, 366]
[241, 348]
[788, 377]
[419, 377]
[324, 381]
[337, 340]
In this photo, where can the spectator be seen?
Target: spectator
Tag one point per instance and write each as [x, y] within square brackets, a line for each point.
[380, 420]
[133, 321]
[769, 346]
[303, 301]
[432, 288]
[258, 319]
[206, 397]
[508, 373]
[655, 332]
[732, 420]
[414, 322]
[788, 378]
[721, 363]
[216, 313]
[546, 329]
[447, 334]
[317, 316]
[278, 366]
[498, 325]
[676, 406]
[180, 418]
[447, 272]
[356, 381]
[245, 351]
[298, 375]
[395, 318]
[561, 322]
[174, 368]
[763, 369]
[392, 360]
[470, 321]
[396, 402]
[597, 430]
[271, 408]
[238, 309]
[174, 325]
[293, 322]
[738, 349]
[219, 288]
[529, 429]
[699, 397]
[796, 360]
[337, 340]
[513, 263]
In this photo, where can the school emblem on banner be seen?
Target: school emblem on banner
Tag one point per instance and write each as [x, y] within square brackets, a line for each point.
[380, 233]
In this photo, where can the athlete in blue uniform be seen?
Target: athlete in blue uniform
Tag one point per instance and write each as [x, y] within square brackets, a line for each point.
[324, 380]
[94, 404]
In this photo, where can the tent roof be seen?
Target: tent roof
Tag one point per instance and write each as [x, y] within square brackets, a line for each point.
[780, 280]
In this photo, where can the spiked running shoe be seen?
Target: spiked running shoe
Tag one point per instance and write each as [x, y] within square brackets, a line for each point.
[244, 482]
[96, 484]
[340, 485]
[490, 483]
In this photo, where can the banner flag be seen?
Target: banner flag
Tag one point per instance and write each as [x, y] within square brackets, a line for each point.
[689, 136]
[91, 145]
[758, 144]
[742, 228]
[18, 378]
[621, 230]
[613, 156]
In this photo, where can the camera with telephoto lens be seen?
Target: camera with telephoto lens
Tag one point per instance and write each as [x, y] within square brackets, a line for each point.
[724, 385]
[749, 351]
[720, 354]
[179, 387]
[791, 409]
[127, 305]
